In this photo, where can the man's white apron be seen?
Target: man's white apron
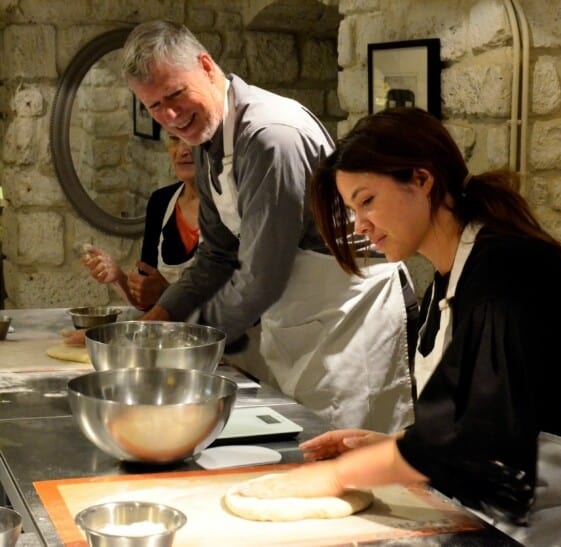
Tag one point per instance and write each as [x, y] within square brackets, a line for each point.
[336, 343]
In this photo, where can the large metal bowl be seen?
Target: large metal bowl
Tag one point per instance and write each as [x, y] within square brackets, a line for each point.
[10, 527]
[130, 524]
[92, 316]
[155, 344]
[155, 415]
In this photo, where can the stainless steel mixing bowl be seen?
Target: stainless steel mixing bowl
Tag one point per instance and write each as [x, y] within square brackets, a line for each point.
[130, 524]
[155, 415]
[92, 316]
[10, 527]
[155, 344]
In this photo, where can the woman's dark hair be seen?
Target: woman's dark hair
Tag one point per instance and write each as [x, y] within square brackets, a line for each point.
[395, 142]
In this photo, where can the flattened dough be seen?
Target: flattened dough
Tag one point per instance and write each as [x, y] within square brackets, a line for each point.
[69, 353]
[289, 509]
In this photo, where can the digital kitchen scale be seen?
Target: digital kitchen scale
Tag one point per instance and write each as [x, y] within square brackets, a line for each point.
[254, 424]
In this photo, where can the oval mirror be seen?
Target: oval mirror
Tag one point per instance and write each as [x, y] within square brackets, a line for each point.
[103, 169]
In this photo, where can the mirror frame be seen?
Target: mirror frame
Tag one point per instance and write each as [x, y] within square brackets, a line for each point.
[60, 137]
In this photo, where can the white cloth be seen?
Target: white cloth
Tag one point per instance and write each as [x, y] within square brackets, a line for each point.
[426, 364]
[334, 342]
[172, 272]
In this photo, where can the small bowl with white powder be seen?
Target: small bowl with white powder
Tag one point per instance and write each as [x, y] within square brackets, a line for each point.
[130, 524]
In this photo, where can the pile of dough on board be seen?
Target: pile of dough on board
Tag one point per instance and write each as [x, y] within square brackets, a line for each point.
[288, 509]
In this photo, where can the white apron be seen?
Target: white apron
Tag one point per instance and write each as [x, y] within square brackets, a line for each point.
[545, 519]
[336, 343]
[172, 272]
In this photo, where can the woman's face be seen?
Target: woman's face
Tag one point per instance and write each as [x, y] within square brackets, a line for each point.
[395, 216]
[182, 158]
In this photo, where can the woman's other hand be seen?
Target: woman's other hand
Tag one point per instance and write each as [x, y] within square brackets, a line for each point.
[101, 265]
[146, 288]
[308, 481]
[334, 443]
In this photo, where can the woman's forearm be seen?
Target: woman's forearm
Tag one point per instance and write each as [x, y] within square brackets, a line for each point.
[375, 465]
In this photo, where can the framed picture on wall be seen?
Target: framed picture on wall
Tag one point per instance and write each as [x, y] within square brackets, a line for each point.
[404, 74]
[143, 125]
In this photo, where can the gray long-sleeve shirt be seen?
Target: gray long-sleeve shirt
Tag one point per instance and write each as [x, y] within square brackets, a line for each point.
[277, 143]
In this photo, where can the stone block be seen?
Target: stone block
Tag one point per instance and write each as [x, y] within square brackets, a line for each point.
[546, 88]
[346, 43]
[463, 135]
[236, 66]
[489, 26]
[347, 7]
[313, 99]
[28, 102]
[22, 42]
[136, 12]
[545, 144]
[333, 107]
[539, 195]
[272, 57]
[27, 187]
[233, 44]
[32, 11]
[353, 90]
[20, 142]
[479, 86]
[371, 28]
[198, 17]
[319, 60]
[212, 42]
[40, 238]
[543, 18]
[70, 40]
[498, 146]
[105, 124]
[59, 289]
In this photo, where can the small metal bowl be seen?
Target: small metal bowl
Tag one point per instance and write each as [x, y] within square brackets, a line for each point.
[10, 527]
[130, 524]
[5, 321]
[155, 344]
[93, 316]
[152, 415]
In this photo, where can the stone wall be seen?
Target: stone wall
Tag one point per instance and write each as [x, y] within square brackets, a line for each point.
[286, 46]
[477, 57]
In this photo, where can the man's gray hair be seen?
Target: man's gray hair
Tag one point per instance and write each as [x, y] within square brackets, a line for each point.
[159, 41]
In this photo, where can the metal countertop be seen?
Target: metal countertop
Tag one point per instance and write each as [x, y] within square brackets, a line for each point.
[39, 440]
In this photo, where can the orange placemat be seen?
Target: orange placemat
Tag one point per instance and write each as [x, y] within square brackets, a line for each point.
[398, 511]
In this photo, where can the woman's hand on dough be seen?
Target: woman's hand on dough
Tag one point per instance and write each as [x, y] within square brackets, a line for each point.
[334, 443]
[146, 289]
[73, 337]
[308, 481]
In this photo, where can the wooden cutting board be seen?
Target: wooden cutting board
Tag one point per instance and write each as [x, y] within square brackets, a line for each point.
[398, 512]
[31, 356]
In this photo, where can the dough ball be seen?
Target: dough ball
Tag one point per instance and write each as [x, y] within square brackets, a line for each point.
[289, 509]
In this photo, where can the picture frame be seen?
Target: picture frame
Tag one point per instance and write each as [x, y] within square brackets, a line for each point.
[143, 125]
[405, 73]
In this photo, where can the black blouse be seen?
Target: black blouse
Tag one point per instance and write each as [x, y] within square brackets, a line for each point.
[499, 381]
[173, 250]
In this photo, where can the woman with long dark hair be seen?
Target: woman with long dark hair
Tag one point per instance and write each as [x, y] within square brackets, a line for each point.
[487, 421]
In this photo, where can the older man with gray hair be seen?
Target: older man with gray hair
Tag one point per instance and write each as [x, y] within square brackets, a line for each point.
[334, 342]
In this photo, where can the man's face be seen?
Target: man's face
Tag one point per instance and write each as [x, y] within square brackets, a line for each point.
[186, 103]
